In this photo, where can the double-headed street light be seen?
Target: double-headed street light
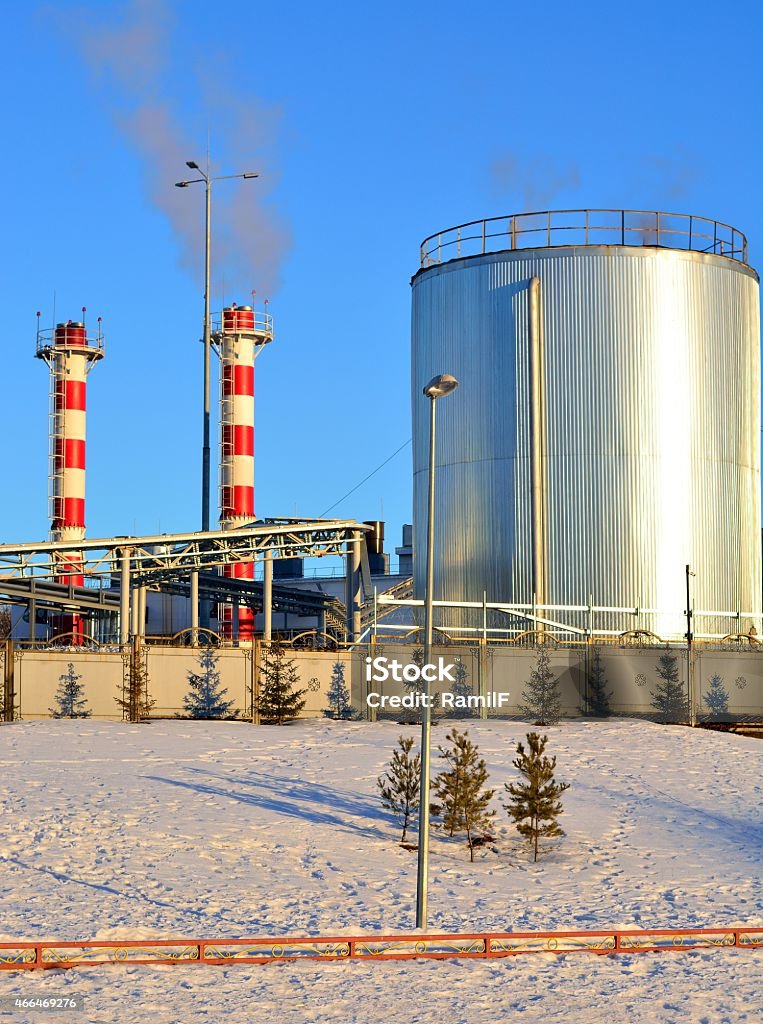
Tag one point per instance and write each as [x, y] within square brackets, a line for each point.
[205, 455]
[438, 387]
[207, 180]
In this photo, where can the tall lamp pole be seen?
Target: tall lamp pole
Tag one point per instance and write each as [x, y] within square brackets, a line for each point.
[439, 386]
[205, 451]
[689, 638]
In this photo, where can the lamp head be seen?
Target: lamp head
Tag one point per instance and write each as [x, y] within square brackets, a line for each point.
[193, 165]
[441, 385]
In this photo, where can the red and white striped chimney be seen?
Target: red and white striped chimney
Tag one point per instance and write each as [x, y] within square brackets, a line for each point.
[70, 356]
[243, 334]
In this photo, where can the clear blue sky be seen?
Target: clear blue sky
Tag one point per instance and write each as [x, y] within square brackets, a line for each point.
[373, 126]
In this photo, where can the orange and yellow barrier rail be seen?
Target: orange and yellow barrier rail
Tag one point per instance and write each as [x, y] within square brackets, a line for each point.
[476, 945]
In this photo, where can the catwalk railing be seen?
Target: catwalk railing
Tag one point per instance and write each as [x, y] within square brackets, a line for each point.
[469, 945]
[548, 228]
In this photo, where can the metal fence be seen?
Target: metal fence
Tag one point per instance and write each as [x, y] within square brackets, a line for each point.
[548, 228]
[470, 945]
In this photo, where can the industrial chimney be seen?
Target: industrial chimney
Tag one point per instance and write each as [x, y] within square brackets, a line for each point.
[242, 335]
[70, 356]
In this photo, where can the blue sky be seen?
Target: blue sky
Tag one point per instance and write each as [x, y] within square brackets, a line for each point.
[372, 126]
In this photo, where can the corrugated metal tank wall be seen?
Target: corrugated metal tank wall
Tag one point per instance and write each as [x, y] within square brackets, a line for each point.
[652, 372]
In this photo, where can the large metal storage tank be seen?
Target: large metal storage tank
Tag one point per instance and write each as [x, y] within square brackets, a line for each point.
[648, 427]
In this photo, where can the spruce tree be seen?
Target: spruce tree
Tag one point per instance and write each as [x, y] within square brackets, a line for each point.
[541, 698]
[535, 804]
[399, 786]
[339, 695]
[205, 698]
[717, 698]
[598, 698]
[460, 787]
[462, 688]
[669, 699]
[278, 700]
[69, 697]
[413, 715]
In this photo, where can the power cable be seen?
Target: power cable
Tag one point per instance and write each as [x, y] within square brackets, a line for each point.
[372, 473]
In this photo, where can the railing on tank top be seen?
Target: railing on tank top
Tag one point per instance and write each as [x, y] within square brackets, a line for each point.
[549, 228]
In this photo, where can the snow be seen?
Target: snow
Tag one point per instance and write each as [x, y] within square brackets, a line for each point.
[222, 829]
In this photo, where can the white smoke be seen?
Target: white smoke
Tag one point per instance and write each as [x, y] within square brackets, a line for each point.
[133, 55]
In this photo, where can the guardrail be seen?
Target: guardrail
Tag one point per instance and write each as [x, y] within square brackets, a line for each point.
[549, 228]
[469, 945]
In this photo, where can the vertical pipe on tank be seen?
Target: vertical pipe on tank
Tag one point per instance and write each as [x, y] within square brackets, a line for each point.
[538, 446]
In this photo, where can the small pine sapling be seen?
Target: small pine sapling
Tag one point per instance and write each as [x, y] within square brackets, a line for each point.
[205, 696]
[535, 804]
[399, 786]
[134, 699]
[541, 698]
[462, 690]
[70, 696]
[670, 699]
[279, 701]
[598, 697]
[460, 788]
[717, 698]
[338, 695]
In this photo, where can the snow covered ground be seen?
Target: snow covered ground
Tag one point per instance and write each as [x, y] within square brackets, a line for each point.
[223, 829]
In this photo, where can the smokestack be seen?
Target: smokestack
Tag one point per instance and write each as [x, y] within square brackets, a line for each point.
[244, 332]
[70, 356]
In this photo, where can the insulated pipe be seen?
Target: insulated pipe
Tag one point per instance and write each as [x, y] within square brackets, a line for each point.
[267, 596]
[142, 611]
[124, 597]
[134, 611]
[539, 497]
[352, 589]
[194, 601]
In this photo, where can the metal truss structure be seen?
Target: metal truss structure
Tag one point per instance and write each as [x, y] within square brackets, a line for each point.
[185, 552]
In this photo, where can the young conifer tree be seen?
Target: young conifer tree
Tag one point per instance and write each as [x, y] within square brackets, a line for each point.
[279, 701]
[399, 786]
[717, 698]
[598, 697]
[70, 696]
[535, 804]
[670, 699]
[462, 688]
[205, 697]
[134, 699]
[541, 698]
[338, 695]
[460, 788]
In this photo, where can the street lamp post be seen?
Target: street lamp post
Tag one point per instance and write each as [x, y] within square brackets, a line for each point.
[439, 386]
[689, 639]
[205, 451]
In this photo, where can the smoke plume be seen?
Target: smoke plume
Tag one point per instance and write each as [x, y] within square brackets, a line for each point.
[535, 183]
[139, 70]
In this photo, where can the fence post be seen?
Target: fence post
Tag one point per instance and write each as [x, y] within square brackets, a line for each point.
[255, 690]
[9, 689]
